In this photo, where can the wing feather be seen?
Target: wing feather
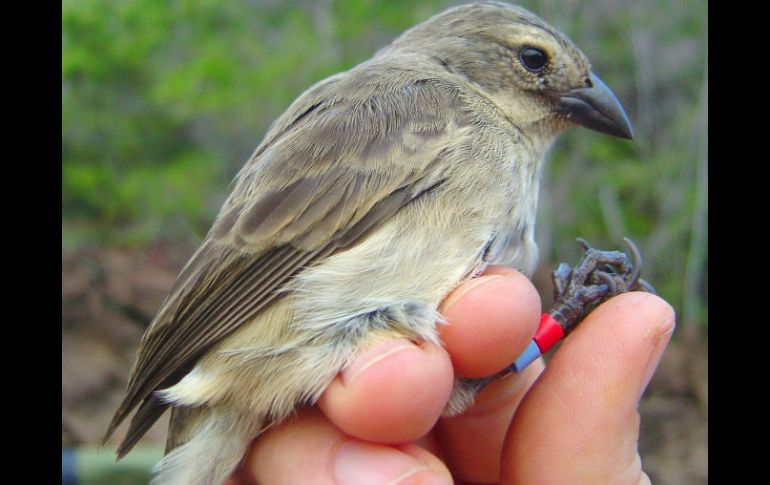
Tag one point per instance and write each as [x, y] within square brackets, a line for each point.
[287, 212]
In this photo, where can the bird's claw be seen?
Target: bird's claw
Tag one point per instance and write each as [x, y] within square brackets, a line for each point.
[598, 276]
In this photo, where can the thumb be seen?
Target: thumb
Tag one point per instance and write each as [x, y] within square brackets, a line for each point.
[579, 423]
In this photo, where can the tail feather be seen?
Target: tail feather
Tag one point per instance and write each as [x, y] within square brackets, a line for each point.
[149, 412]
[181, 425]
[150, 409]
[212, 454]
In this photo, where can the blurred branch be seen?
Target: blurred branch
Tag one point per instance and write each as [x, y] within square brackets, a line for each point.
[642, 40]
[611, 212]
[696, 255]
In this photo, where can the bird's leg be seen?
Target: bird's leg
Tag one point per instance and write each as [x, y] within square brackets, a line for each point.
[598, 276]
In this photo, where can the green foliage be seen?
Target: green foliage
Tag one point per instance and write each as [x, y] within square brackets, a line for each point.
[163, 101]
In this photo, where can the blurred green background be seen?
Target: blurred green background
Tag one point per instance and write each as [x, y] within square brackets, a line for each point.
[163, 101]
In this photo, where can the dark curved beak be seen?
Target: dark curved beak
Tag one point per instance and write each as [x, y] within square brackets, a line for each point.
[597, 108]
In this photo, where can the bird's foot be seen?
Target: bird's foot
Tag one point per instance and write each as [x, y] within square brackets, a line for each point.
[598, 276]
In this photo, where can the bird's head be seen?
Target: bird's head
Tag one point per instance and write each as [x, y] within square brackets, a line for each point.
[542, 82]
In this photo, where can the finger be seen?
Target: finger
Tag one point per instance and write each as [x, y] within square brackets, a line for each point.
[579, 423]
[309, 449]
[396, 391]
[393, 393]
[472, 442]
[491, 322]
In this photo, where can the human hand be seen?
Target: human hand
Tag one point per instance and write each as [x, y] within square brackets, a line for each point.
[574, 421]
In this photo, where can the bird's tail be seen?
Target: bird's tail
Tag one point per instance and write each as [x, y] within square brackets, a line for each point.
[217, 443]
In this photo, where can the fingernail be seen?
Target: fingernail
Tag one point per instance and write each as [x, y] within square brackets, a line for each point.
[455, 296]
[374, 355]
[660, 335]
[359, 463]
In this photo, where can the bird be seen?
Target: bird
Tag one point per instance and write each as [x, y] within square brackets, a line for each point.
[377, 192]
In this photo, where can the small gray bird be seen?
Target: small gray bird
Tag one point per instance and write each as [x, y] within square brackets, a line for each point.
[375, 194]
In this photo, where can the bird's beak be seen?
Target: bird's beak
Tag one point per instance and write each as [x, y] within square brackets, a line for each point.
[596, 108]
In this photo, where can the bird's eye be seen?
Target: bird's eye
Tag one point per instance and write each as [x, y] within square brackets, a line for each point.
[533, 58]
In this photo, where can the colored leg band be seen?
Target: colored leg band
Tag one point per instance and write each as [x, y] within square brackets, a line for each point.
[548, 333]
[531, 353]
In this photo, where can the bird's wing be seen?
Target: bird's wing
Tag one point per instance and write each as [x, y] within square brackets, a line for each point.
[329, 171]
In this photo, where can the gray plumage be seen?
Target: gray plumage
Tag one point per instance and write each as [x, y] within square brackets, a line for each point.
[377, 192]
